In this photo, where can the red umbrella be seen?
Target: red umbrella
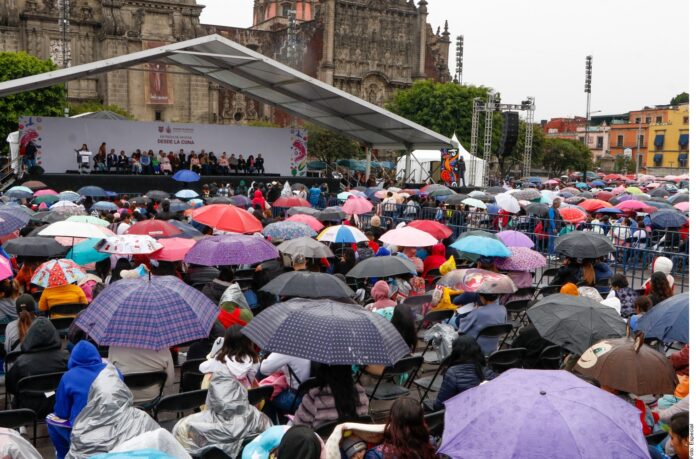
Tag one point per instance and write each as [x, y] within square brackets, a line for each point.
[174, 249]
[604, 195]
[633, 205]
[228, 218]
[591, 205]
[308, 220]
[572, 214]
[154, 228]
[435, 229]
[291, 202]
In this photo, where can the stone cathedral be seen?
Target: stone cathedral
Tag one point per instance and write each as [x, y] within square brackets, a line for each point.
[369, 48]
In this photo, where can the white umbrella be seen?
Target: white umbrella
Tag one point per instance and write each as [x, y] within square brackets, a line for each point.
[471, 202]
[507, 203]
[72, 229]
[63, 204]
[129, 244]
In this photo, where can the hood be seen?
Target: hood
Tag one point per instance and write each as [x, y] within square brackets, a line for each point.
[662, 264]
[233, 316]
[233, 294]
[227, 398]
[383, 252]
[41, 336]
[239, 368]
[438, 250]
[380, 291]
[84, 354]
[258, 194]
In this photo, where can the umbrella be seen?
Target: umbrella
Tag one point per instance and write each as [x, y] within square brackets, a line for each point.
[240, 201]
[342, 234]
[92, 191]
[434, 187]
[173, 249]
[574, 200]
[187, 231]
[604, 196]
[659, 193]
[34, 184]
[634, 190]
[357, 206]
[87, 219]
[141, 201]
[308, 220]
[632, 205]
[591, 205]
[291, 202]
[455, 199]
[480, 195]
[541, 413]
[478, 280]
[129, 244]
[682, 206]
[515, 239]
[186, 176]
[571, 190]
[104, 206]
[495, 190]
[537, 209]
[46, 199]
[679, 197]
[227, 218]
[328, 332]
[626, 365]
[575, 322]
[572, 214]
[5, 268]
[154, 228]
[186, 194]
[408, 236]
[508, 203]
[231, 250]
[306, 246]
[285, 230]
[223, 200]
[46, 192]
[581, 244]
[472, 202]
[177, 205]
[667, 219]
[529, 194]
[659, 204]
[32, 246]
[19, 192]
[143, 313]
[72, 229]
[69, 196]
[598, 183]
[303, 211]
[85, 252]
[331, 214]
[609, 210]
[382, 267]
[668, 320]
[55, 273]
[522, 259]
[435, 229]
[480, 233]
[306, 284]
[486, 247]
[157, 195]
[12, 220]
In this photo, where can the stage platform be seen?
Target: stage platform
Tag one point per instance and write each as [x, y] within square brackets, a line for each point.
[132, 184]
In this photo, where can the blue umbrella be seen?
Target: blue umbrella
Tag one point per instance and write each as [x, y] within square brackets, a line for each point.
[241, 201]
[19, 192]
[668, 320]
[486, 247]
[581, 185]
[187, 231]
[176, 205]
[660, 205]
[608, 210]
[69, 196]
[668, 218]
[92, 191]
[186, 176]
[85, 253]
[492, 209]
[534, 180]
[105, 206]
[12, 220]
[186, 194]
[597, 183]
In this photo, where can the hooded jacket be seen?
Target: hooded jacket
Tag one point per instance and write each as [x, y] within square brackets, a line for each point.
[434, 260]
[380, 294]
[259, 200]
[84, 366]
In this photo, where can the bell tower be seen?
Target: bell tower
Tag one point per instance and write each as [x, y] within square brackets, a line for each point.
[273, 14]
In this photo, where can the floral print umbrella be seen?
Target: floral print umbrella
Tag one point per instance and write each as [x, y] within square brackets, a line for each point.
[55, 273]
[129, 244]
[522, 259]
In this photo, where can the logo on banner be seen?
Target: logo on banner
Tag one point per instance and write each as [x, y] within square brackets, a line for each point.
[298, 152]
[30, 135]
[449, 171]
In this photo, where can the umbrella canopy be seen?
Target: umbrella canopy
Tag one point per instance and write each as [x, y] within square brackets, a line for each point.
[522, 259]
[5, 268]
[141, 201]
[668, 320]
[604, 196]
[541, 413]
[285, 230]
[633, 205]
[626, 365]
[537, 209]
[11, 220]
[408, 236]
[222, 200]
[154, 228]
[435, 229]
[144, 313]
[598, 183]
[572, 214]
[173, 249]
[682, 206]
[32, 246]
[227, 218]
[454, 199]
[477, 280]
[634, 190]
[86, 252]
[591, 205]
[92, 192]
[609, 210]
[575, 322]
[495, 190]
[72, 229]
[342, 234]
[46, 192]
[231, 250]
[187, 231]
[240, 201]
[580, 244]
[306, 246]
[55, 273]
[48, 200]
[157, 195]
[19, 192]
[668, 219]
[129, 244]
[382, 267]
[679, 197]
[186, 194]
[507, 203]
[34, 184]
[104, 206]
[307, 284]
[515, 239]
[484, 246]
[472, 202]
[357, 206]
[303, 211]
[331, 214]
[69, 196]
[291, 202]
[659, 193]
[529, 194]
[308, 220]
[327, 332]
[88, 219]
[186, 176]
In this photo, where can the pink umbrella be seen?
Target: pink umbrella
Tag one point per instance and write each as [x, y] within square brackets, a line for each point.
[635, 206]
[618, 190]
[308, 220]
[682, 206]
[356, 206]
[46, 192]
[408, 236]
[522, 259]
[515, 239]
[174, 249]
[381, 194]
[5, 268]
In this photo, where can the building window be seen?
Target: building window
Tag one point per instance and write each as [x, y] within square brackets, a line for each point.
[658, 119]
[158, 115]
[686, 120]
[641, 140]
[600, 142]
[619, 141]
[286, 9]
[648, 120]
[637, 120]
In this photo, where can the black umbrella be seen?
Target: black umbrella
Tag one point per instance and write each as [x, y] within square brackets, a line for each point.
[382, 267]
[307, 284]
[141, 201]
[303, 210]
[157, 195]
[187, 231]
[49, 216]
[331, 214]
[92, 191]
[455, 199]
[537, 209]
[44, 247]
[219, 200]
[575, 322]
[305, 246]
[495, 190]
[677, 198]
[586, 194]
[580, 244]
[659, 193]
[328, 332]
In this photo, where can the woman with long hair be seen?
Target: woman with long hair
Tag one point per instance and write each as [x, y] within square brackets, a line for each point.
[588, 273]
[406, 434]
[660, 289]
[16, 330]
[236, 357]
[402, 320]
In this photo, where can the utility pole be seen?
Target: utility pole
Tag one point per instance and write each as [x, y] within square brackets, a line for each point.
[588, 91]
[460, 59]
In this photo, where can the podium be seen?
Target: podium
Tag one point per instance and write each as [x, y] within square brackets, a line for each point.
[84, 161]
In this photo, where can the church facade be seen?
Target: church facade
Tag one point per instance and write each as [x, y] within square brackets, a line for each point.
[369, 48]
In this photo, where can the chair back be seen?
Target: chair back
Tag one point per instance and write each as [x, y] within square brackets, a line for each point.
[438, 316]
[495, 330]
[12, 419]
[185, 401]
[214, 453]
[32, 393]
[500, 361]
[436, 423]
[259, 394]
[551, 358]
[71, 309]
[46, 382]
[139, 381]
[409, 364]
[549, 290]
[549, 272]
[516, 306]
[190, 378]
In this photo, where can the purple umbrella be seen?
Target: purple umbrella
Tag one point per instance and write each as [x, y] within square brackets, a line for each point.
[12, 220]
[515, 239]
[541, 413]
[241, 201]
[231, 250]
[522, 259]
[144, 313]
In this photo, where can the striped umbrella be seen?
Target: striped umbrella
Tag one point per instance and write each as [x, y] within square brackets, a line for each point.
[55, 273]
[342, 234]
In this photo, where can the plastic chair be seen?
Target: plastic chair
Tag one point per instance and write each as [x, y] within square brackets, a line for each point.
[139, 381]
[259, 394]
[13, 419]
[179, 403]
[71, 309]
[190, 378]
[391, 391]
[32, 391]
[503, 360]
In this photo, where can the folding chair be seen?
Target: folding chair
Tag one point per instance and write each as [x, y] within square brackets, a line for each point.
[517, 313]
[13, 419]
[434, 317]
[500, 361]
[427, 384]
[326, 429]
[495, 331]
[436, 423]
[259, 394]
[550, 358]
[190, 378]
[71, 309]
[547, 291]
[33, 393]
[179, 403]
[146, 380]
[62, 324]
[549, 272]
[390, 391]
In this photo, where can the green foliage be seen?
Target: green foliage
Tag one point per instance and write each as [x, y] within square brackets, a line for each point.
[41, 102]
[624, 165]
[96, 106]
[682, 98]
[561, 155]
[261, 123]
[329, 146]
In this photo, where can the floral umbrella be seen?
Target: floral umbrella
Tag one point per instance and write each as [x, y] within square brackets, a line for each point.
[129, 244]
[473, 280]
[284, 231]
[55, 273]
[522, 259]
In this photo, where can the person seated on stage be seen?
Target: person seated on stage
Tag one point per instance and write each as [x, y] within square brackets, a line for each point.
[212, 163]
[136, 167]
[258, 164]
[122, 164]
[234, 163]
[250, 165]
[165, 164]
[111, 161]
[195, 164]
[223, 164]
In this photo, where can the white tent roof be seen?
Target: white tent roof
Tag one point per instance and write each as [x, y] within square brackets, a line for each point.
[262, 78]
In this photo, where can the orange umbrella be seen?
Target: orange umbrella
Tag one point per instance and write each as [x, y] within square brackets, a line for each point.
[592, 205]
[224, 217]
[572, 214]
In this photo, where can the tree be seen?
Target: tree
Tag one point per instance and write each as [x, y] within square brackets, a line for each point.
[329, 146]
[96, 106]
[624, 165]
[41, 102]
[682, 98]
[560, 155]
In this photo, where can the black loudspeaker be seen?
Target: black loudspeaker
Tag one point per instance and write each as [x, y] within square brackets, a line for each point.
[511, 130]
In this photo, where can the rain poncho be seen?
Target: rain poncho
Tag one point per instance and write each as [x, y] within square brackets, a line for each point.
[442, 336]
[227, 421]
[13, 446]
[108, 419]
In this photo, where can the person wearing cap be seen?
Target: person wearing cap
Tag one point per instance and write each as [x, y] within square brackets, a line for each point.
[299, 262]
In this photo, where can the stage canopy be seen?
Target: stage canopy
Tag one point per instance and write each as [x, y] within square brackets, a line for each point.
[264, 79]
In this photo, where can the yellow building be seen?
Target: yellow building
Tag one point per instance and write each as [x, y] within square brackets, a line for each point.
[668, 141]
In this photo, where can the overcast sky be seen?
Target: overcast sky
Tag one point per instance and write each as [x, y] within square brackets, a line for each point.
[538, 47]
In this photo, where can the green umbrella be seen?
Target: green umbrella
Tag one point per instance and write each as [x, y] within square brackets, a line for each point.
[85, 253]
[47, 198]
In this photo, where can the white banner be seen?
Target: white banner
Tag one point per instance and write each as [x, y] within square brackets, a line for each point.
[57, 140]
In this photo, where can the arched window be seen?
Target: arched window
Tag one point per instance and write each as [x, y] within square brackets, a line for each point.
[285, 9]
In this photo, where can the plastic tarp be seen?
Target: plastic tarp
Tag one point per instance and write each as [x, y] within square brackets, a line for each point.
[13, 141]
[158, 440]
[442, 337]
[13, 446]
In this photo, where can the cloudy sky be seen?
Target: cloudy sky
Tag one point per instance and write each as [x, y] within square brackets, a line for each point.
[538, 47]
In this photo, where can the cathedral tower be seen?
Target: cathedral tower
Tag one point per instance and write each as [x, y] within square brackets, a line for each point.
[273, 14]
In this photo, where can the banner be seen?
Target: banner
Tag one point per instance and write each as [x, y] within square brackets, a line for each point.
[449, 166]
[56, 140]
[157, 90]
